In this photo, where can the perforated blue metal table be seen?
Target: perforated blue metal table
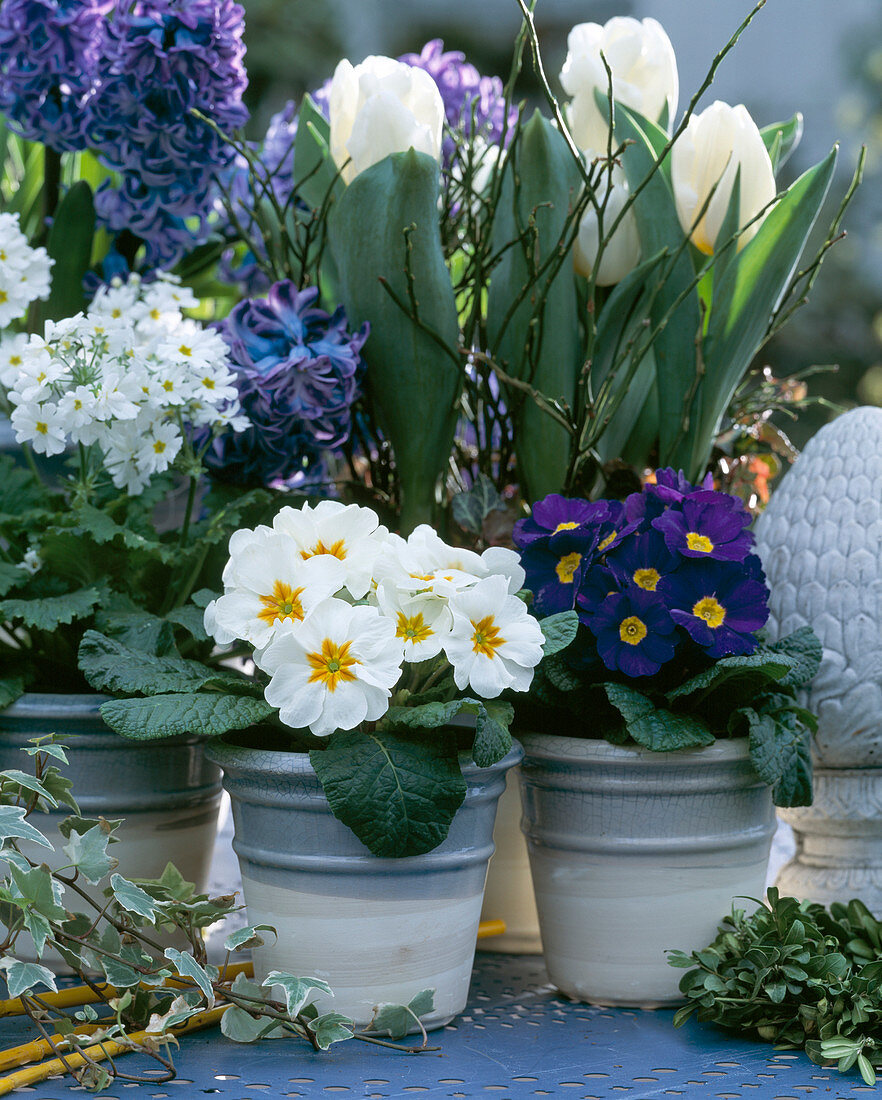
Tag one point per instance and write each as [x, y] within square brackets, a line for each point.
[517, 1039]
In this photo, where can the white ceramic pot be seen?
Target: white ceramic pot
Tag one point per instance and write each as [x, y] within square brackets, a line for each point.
[377, 930]
[635, 852]
[508, 895]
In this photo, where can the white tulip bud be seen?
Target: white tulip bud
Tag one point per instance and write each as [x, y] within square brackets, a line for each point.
[380, 107]
[644, 74]
[712, 148]
[622, 252]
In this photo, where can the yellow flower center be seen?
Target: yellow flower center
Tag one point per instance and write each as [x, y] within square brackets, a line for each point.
[336, 550]
[42, 427]
[208, 383]
[701, 543]
[332, 666]
[422, 576]
[486, 639]
[159, 446]
[4, 297]
[15, 360]
[155, 314]
[117, 312]
[184, 350]
[284, 603]
[168, 385]
[77, 404]
[711, 610]
[632, 630]
[567, 567]
[413, 628]
[647, 579]
[608, 541]
[569, 526]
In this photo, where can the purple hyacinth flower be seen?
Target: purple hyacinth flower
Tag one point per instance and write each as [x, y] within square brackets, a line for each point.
[718, 604]
[555, 569]
[635, 633]
[162, 61]
[49, 54]
[298, 371]
[642, 561]
[707, 525]
[556, 513]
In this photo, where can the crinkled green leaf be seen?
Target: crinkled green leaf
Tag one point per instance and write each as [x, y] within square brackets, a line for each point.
[492, 737]
[206, 715]
[11, 688]
[804, 647]
[10, 576]
[654, 728]
[398, 795]
[52, 611]
[110, 666]
[191, 618]
[558, 631]
[742, 676]
[780, 749]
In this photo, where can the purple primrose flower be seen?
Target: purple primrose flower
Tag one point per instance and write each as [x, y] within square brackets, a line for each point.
[635, 633]
[707, 525]
[718, 605]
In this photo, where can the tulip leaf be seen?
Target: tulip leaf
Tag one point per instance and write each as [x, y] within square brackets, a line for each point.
[70, 246]
[384, 233]
[538, 342]
[781, 139]
[674, 344]
[397, 794]
[750, 290]
[315, 174]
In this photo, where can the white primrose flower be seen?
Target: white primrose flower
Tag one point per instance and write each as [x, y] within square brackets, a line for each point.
[268, 587]
[24, 271]
[422, 621]
[336, 670]
[31, 563]
[494, 642]
[348, 532]
[159, 447]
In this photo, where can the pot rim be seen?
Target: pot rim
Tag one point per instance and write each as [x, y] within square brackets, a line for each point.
[292, 763]
[551, 746]
[34, 704]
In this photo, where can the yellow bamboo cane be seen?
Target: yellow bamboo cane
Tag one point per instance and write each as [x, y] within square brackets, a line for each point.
[98, 1052]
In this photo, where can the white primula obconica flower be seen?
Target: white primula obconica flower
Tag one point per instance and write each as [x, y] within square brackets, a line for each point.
[24, 271]
[380, 107]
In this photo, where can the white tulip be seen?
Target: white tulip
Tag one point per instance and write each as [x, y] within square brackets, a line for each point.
[644, 74]
[380, 107]
[622, 252]
[714, 145]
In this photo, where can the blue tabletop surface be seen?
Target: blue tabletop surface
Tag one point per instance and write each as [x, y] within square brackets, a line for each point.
[518, 1038]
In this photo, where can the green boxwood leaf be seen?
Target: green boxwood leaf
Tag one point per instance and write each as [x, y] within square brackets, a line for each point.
[397, 795]
[206, 715]
[558, 631]
[52, 611]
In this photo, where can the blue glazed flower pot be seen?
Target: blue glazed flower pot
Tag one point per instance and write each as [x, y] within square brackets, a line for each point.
[377, 930]
[168, 794]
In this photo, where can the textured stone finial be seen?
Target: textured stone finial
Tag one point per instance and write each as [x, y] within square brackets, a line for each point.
[820, 540]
